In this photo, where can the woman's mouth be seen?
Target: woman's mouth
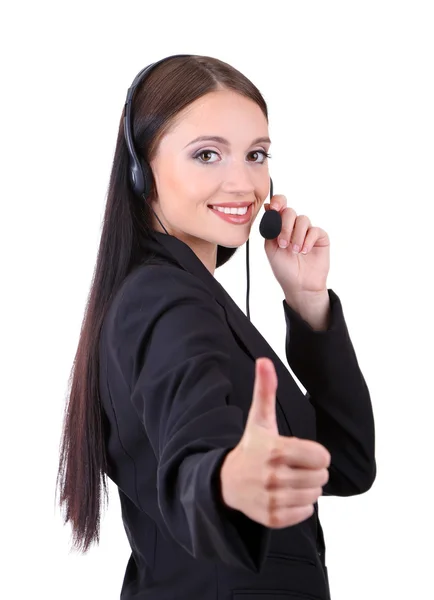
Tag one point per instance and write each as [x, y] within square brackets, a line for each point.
[238, 216]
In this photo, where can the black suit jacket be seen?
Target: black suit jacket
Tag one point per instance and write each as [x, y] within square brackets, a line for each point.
[177, 364]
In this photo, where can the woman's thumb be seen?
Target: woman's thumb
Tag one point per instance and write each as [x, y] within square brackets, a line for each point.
[263, 408]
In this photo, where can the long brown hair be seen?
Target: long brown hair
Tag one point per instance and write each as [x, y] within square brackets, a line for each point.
[168, 89]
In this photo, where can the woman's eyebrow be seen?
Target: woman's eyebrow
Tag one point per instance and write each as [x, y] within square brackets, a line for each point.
[222, 140]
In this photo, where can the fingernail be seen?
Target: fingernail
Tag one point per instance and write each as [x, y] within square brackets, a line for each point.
[295, 248]
[283, 243]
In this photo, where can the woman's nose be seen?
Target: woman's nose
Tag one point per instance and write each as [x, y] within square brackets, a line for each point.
[239, 179]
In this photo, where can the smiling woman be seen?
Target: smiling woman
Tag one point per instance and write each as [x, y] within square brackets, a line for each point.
[169, 397]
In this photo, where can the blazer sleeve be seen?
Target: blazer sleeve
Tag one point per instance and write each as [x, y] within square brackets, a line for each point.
[178, 341]
[326, 364]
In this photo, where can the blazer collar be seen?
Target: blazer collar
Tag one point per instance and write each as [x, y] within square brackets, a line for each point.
[294, 404]
[176, 250]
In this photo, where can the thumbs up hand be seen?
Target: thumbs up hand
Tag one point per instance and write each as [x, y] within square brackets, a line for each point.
[273, 479]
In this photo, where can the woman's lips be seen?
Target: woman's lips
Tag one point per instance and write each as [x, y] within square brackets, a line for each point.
[234, 219]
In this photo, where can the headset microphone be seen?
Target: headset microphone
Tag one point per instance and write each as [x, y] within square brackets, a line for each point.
[271, 222]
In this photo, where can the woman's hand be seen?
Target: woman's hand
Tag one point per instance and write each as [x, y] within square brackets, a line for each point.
[275, 480]
[301, 268]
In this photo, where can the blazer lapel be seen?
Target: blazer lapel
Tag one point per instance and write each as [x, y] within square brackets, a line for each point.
[297, 410]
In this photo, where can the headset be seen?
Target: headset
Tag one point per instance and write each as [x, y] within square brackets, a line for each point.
[140, 174]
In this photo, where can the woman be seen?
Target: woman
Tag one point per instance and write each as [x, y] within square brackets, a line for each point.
[219, 457]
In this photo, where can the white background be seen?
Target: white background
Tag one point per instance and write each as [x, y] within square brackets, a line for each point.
[349, 86]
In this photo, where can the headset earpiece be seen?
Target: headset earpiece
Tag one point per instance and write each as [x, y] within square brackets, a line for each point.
[148, 179]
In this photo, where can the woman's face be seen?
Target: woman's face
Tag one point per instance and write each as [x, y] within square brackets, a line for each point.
[191, 176]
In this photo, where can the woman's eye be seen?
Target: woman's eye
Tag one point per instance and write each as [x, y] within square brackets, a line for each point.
[202, 152]
[261, 152]
[254, 152]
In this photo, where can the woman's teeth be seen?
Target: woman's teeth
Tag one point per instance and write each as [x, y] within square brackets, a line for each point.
[231, 211]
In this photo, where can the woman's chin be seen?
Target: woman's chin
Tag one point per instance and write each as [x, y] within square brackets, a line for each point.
[235, 240]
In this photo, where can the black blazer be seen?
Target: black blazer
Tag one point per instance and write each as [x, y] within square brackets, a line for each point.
[177, 364]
